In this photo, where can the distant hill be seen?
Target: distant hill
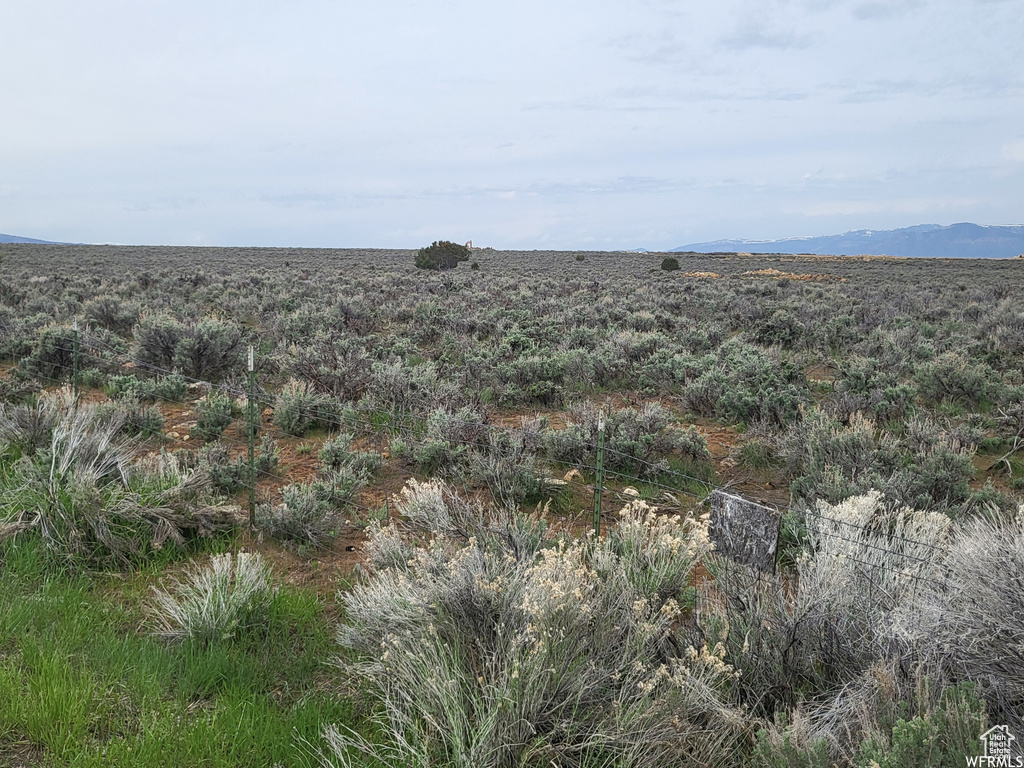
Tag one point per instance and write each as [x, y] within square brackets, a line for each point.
[957, 241]
[15, 239]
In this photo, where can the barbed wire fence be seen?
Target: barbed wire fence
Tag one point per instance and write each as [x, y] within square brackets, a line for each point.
[411, 426]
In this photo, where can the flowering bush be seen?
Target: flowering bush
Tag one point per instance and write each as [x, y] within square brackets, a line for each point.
[490, 642]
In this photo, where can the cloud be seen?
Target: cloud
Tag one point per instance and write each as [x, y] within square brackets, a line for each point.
[967, 88]
[876, 11]
[657, 49]
[649, 99]
[1014, 151]
[758, 34]
[911, 206]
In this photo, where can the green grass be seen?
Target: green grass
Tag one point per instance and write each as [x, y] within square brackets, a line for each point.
[84, 683]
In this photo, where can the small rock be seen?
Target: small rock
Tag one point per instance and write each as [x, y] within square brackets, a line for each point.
[631, 491]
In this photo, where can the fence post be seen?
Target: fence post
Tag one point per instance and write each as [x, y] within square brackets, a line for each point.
[74, 359]
[383, 478]
[599, 478]
[252, 437]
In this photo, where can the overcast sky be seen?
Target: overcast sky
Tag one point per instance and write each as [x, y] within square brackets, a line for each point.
[557, 124]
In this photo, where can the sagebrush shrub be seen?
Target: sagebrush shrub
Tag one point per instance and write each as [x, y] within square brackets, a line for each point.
[208, 350]
[337, 453]
[969, 616]
[52, 356]
[864, 562]
[299, 409]
[113, 313]
[211, 350]
[230, 475]
[156, 339]
[639, 441]
[509, 647]
[304, 516]
[953, 378]
[172, 388]
[213, 416]
[335, 365]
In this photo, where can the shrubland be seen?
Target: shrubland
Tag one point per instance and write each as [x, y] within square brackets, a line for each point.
[452, 415]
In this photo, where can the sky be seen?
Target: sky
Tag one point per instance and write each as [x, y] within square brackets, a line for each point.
[554, 124]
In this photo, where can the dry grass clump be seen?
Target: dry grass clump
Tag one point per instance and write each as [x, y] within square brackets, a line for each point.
[212, 603]
[492, 643]
[67, 475]
[971, 621]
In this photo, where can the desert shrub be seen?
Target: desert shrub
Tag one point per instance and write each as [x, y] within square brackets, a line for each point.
[52, 354]
[449, 437]
[937, 469]
[639, 441]
[212, 604]
[172, 388]
[303, 516]
[230, 475]
[129, 387]
[941, 737]
[399, 388]
[741, 384]
[670, 264]
[86, 501]
[530, 650]
[91, 378]
[953, 378]
[298, 409]
[156, 339]
[507, 466]
[18, 388]
[208, 350]
[337, 452]
[968, 618]
[139, 419]
[441, 254]
[830, 460]
[338, 487]
[865, 562]
[781, 327]
[894, 727]
[26, 428]
[332, 364]
[344, 471]
[213, 416]
[114, 314]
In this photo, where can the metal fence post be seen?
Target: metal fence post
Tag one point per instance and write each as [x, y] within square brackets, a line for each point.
[599, 478]
[252, 437]
[74, 359]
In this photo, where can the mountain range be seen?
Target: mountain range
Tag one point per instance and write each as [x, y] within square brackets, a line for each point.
[956, 241]
[15, 239]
